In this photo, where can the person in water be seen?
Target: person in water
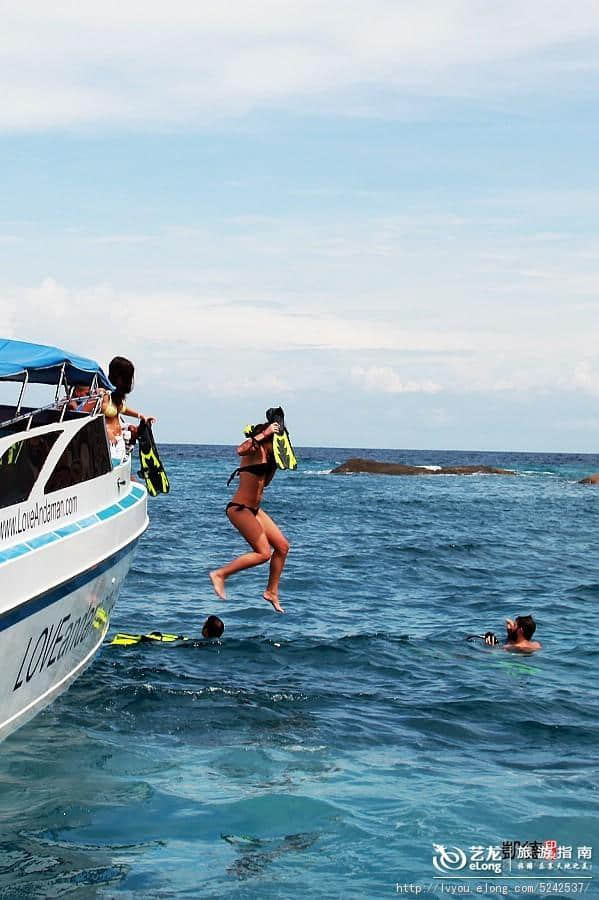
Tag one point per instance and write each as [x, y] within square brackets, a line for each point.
[265, 538]
[114, 405]
[213, 627]
[518, 638]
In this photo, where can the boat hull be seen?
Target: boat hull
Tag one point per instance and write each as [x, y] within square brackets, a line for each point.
[70, 519]
[60, 576]
[48, 641]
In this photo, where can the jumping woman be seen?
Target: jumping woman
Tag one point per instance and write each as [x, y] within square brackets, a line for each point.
[244, 513]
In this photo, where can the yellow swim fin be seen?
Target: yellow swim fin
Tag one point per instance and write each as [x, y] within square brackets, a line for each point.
[127, 640]
[151, 468]
[162, 638]
[283, 451]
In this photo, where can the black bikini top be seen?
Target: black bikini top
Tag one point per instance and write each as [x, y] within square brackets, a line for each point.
[257, 469]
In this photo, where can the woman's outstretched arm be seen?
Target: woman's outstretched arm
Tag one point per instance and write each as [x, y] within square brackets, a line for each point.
[249, 445]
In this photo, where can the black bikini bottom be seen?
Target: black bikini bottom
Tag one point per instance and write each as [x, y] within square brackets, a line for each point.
[252, 509]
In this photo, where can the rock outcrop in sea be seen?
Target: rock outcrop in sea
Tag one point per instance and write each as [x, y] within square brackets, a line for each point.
[590, 479]
[381, 468]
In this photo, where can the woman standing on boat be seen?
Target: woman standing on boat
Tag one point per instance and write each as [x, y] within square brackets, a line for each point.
[262, 534]
[114, 405]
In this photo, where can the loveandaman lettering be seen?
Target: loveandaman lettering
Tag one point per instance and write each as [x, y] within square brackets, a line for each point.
[52, 643]
[24, 520]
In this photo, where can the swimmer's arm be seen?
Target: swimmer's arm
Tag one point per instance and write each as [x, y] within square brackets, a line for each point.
[249, 446]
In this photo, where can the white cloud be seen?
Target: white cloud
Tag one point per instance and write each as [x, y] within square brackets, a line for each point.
[108, 63]
[386, 380]
[205, 322]
[123, 239]
[248, 385]
[226, 345]
[586, 378]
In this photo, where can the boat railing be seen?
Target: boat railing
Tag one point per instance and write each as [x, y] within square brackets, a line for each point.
[14, 419]
[20, 419]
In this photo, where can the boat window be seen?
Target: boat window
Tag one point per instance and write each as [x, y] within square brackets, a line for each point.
[20, 466]
[85, 456]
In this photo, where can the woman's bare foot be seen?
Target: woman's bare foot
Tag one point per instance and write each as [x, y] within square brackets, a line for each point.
[274, 599]
[218, 583]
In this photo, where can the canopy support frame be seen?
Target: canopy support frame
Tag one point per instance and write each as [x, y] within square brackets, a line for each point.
[22, 392]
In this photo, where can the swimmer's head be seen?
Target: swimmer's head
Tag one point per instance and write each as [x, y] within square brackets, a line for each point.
[525, 625]
[213, 627]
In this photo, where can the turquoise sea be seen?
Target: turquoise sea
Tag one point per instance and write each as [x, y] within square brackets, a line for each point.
[323, 753]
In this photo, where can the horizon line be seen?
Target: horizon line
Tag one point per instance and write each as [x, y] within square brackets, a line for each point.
[395, 449]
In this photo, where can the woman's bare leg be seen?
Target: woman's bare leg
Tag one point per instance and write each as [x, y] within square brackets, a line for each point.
[247, 525]
[280, 545]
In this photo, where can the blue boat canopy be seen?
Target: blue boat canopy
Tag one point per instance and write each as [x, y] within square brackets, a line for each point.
[43, 364]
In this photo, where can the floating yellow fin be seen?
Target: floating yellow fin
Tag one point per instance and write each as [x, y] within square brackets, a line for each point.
[127, 640]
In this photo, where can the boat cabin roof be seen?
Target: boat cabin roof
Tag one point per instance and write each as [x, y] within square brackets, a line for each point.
[41, 364]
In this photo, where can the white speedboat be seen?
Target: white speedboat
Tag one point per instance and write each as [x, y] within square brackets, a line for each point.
[69, 525]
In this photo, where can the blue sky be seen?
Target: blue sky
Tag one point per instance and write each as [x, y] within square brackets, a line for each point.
[383, 217]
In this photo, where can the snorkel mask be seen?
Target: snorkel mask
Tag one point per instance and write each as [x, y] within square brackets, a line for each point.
[284, 454]
[276, 414]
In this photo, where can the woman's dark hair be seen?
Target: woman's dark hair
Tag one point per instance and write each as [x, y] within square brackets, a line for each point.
[120, 373]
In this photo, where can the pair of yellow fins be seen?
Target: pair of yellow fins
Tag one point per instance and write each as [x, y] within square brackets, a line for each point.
[154, 637]
[283, 451]
[151, 468]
